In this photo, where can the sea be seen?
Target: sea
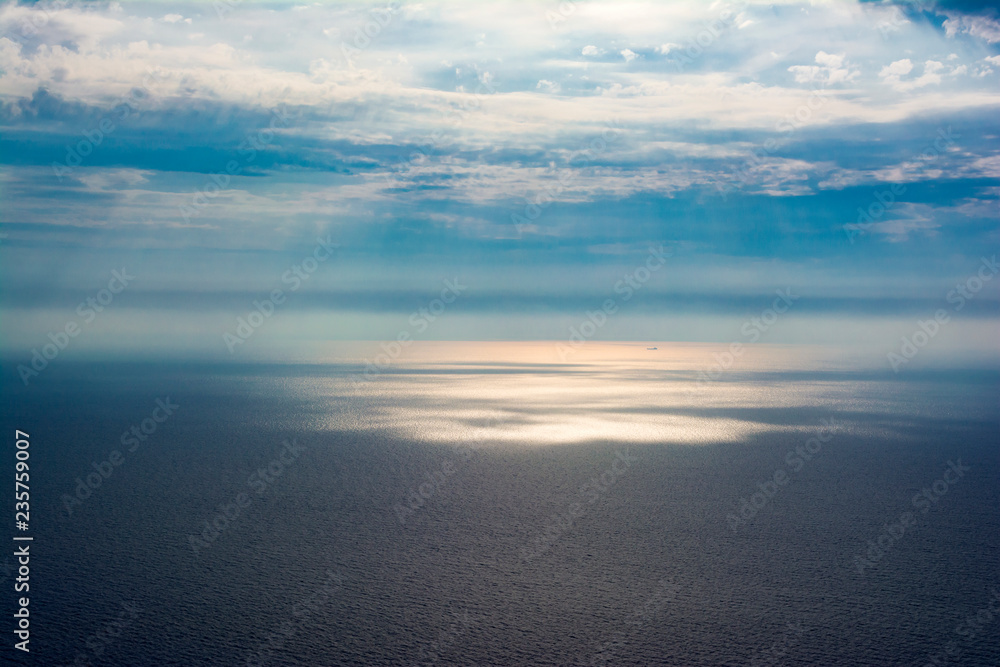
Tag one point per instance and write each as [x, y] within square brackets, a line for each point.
[507, 504]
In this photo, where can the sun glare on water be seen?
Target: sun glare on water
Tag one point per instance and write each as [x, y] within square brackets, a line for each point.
[530, 393]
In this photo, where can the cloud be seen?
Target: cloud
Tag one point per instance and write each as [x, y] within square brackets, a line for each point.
[548, 86]
[829, 70]
[830, 60]
[896, 69]
[902, 229]
[981, 27]
[893, 74]
[413, 87]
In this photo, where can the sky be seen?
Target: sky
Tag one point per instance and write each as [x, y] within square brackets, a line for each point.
[684, 160]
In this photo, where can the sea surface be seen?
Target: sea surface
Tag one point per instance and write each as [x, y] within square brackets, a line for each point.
[505, 504]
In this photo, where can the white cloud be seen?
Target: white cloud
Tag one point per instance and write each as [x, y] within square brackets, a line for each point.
[900, 230]
[830, 60]
[381, 99]
[981, 27]
[829, 69]
[932, 69]
[897, 68]
[549, 86]
[893, 74]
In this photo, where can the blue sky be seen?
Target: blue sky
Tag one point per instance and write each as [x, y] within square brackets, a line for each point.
[534, 151]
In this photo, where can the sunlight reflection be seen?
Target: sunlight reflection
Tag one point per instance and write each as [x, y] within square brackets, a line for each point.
[522, 393]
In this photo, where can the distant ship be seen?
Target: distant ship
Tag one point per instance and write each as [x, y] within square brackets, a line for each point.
[650, 348]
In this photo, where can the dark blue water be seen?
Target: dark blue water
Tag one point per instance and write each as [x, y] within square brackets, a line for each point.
[517, 553]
